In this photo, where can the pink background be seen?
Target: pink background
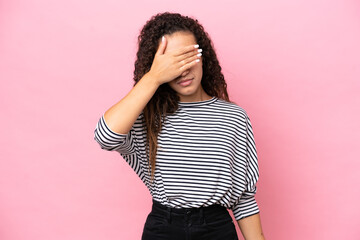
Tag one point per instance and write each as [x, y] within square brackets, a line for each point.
[294, 66]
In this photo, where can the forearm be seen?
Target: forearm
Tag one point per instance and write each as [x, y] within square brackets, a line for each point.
[251, 227]
[122, 115]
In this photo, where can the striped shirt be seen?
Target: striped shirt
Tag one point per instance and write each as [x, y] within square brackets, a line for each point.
[206, 155]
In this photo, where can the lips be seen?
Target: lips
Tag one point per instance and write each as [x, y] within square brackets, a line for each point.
[181, 81]
[185, 82]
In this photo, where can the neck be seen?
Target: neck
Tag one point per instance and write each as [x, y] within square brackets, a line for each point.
[200, 97]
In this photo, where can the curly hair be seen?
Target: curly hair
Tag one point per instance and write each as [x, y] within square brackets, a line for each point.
[165, 100]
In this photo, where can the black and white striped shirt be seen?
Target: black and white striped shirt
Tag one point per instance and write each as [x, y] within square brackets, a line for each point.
[206, 155]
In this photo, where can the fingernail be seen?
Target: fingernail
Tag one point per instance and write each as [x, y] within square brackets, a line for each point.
[163, 39]
[197, 60]
[199, 54]
[196, 46]
[199, 50]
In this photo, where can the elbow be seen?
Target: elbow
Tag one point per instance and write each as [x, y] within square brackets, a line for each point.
[106, 142]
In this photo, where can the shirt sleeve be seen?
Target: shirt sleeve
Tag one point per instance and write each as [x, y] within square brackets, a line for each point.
[247, 205]
[112, 141]
[125, 144]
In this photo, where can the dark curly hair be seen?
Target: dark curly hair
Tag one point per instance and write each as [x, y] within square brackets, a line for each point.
[165, 100]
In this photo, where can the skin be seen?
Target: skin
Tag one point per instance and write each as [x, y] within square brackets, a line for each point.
[251, 227]
[194, 91]
[174, 60]
[175, 63]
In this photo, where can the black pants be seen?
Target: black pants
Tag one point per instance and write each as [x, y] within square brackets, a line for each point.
[205, 223]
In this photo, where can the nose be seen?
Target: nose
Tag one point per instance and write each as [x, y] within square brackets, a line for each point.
[185, 73]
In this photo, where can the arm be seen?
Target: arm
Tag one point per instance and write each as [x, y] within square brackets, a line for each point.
[246, 211]
[121, 116]
[251, 227]
[165, 67]
[113, 130]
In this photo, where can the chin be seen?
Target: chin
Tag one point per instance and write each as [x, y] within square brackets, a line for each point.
[187, 92]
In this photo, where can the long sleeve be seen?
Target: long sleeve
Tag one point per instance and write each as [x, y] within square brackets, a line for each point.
[110, 140]
[127, 145]
[247, 205]
[206, 155]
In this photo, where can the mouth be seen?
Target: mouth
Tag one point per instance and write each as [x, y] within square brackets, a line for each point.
[185, 82]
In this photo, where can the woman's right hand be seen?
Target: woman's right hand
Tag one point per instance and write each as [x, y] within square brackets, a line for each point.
[170, 65]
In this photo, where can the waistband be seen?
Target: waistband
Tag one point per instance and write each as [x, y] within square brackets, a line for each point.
[187, 210]
[187, 213]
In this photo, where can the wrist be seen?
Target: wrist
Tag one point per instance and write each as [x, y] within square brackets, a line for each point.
[152, 79]
[261, 237]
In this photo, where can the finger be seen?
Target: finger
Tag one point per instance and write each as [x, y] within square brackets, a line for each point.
[162, 46]
[189, 65]
[196, 52]
[184, 50]
[188, 60]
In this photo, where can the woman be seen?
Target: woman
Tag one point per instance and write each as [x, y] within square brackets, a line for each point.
[178, 130]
